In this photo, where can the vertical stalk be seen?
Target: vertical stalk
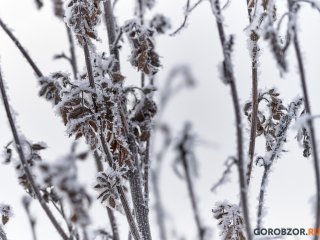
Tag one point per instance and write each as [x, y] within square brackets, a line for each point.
[146, 172]
[133, 228]
[31, 219]
[159, 206]
[201, 230]
[72, 53]
[310, 125]
[182, 147]
[25, 164]
[254, 114]
[254, 37]
[111, 29]
[140, 208]
[229, 76]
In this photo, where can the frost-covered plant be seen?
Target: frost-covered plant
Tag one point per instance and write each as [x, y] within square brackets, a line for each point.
[267, 122]
[303, 134]
[83, 16]
[5, 214]
[276, 149]
[33, 159]
[107, 183]
[118, 122]
[143, 55]
[231, 223]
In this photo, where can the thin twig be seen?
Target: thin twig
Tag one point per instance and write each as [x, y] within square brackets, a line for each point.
[184, 152]
[186, 15]
[225, 173]
[155, 177]
[111, 29]
[73, 59]
[194, 6]
[25, 164]
[141, 11]
[26, 203]
[21, 48]
[114, 45]
[229, 75]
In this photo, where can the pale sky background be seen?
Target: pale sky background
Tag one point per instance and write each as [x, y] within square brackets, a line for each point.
[208, 106]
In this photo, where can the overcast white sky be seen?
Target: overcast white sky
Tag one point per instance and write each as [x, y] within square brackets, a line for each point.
[208, 106]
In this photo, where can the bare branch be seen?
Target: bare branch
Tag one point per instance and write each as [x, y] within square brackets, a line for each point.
[21, 48]
[229, 79]
[225, 174]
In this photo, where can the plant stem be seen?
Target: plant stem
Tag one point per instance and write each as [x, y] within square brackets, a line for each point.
[254, 113]
[111, 29]
[155, 176]
[72, 53]
[229, 75]
[141, 17]
[25, 164]
[133, 228]
[182, 147]
[146, 172]
[254, 37]
[311, 127]
[280, 139]
[32, 224]
[22, 50]
[141, 210]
